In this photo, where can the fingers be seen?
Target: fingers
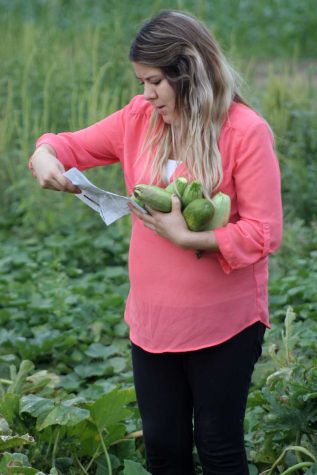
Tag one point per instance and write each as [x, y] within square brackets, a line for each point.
[53, 179]
[135, 210]
[152, 216]
[66, 185]
[49, 172]
[176, 203]
[57, 182]
[149, 210]
[147, 218]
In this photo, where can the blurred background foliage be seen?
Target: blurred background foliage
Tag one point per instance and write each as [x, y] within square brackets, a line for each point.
[64, 65]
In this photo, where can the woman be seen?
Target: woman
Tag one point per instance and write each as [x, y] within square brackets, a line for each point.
[196, 325]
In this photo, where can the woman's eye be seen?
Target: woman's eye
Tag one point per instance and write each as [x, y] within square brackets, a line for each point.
[154, 83]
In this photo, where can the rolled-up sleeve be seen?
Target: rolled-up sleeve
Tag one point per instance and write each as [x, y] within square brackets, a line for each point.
[99, 144]
[258, 230]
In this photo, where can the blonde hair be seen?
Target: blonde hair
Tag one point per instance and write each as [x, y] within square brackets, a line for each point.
[205, 86]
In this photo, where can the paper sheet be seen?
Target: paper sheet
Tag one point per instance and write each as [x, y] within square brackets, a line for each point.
[109, 205]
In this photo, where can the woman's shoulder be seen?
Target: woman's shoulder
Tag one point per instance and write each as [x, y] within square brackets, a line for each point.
[241, 118]
[139, 106]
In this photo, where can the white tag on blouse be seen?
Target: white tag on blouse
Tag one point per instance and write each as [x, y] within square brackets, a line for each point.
[170, 168]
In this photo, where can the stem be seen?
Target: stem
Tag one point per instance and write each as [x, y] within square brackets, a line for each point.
[49, 445]
[55, 446]
[96, 454]
[81, 466]
[5, 381]
[297, 467]
[105, 452]
[133, 435]
[298, 454]
[294, 448]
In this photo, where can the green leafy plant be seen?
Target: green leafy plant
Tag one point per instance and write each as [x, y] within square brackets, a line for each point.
[84, 431]
[283, 414]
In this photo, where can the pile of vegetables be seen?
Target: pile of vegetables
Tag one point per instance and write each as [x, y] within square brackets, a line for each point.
[200, 213]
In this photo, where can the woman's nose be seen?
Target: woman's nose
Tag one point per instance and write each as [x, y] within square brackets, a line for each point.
[149, 92]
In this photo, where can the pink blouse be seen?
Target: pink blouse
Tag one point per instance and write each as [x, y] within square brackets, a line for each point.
[176, 301]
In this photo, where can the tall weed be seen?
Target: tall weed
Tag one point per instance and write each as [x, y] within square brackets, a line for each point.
[289, 103]
[64, 66]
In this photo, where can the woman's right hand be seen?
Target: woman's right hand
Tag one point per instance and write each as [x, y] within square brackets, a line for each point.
[49, 171]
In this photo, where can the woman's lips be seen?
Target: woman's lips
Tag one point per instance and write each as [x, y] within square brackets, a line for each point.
[160, 108]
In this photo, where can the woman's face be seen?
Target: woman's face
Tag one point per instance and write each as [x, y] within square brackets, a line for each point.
[157, 91]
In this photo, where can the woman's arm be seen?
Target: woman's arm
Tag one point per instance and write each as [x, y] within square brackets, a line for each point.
[258, 231]
[98, 144]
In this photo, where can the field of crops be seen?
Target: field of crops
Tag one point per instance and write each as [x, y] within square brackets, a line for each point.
[67, 403]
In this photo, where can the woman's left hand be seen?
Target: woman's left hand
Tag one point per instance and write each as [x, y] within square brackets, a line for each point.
[171, 225]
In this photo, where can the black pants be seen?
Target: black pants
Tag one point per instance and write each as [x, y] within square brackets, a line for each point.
[208, 386]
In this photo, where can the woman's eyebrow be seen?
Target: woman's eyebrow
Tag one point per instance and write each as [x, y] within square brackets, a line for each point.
[154, 76]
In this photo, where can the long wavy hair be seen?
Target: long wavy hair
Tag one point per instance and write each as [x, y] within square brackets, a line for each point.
[205, 86]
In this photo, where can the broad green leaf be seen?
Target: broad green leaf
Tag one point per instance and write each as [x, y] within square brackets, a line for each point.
[118, 364]
[40, 304]
[97, 350]
[8, 358]
[73, 401]
[9, 441]
[64, 416]
[63, 463]
[4, 427]
[85, 436]
[25, 368]
[114, 433]
[48, 413]
[41, 379]
[111, 408]
[70, 382]
[15, 458]
[125, 449]
[102, 466]
[94, 369]
[121, 329]
[134, 468]
[14, 470]
[117, 271]
[12, 463]
[98, 389]
[9, 407]
[36, 406]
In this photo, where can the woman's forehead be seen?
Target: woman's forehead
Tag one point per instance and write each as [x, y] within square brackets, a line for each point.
[145, 71]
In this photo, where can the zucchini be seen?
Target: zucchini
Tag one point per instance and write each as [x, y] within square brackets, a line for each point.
[177, 186]
[193, 191]
[153, 196]
[198, 214]
[222, 205]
